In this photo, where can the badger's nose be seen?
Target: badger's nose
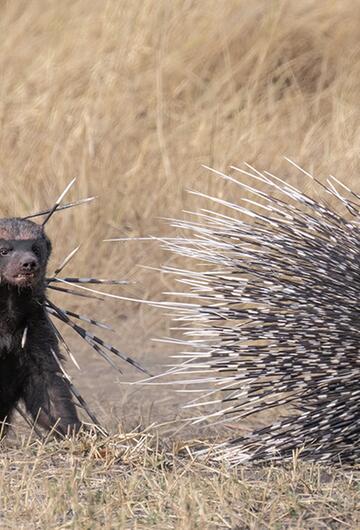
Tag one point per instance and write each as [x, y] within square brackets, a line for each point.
[29, 264]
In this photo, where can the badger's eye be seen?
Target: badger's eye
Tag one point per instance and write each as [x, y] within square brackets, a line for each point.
[36, 250]
[4, 251]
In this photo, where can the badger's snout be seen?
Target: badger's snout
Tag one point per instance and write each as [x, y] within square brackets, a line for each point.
[28, 263]
[21, 269]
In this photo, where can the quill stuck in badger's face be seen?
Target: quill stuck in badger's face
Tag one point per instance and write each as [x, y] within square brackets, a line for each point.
[24, 253]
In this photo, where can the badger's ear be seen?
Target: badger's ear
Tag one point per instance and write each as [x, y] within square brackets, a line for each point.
[48, 246]
[47, 242]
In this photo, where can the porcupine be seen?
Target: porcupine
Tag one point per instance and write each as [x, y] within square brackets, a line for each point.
[273, 317]
[31, 368]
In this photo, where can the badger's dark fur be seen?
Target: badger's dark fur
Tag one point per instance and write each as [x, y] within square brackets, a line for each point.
[29, 372]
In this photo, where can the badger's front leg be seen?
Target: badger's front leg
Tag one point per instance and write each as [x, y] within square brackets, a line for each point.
[48, 399]
[46, 394]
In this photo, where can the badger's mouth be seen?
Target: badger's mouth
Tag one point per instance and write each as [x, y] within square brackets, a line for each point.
[23, 279]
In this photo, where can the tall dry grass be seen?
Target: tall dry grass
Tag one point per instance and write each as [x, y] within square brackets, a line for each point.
[132, 97]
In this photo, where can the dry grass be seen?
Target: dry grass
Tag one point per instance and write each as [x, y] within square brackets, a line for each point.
[132, 97]
[134, 481]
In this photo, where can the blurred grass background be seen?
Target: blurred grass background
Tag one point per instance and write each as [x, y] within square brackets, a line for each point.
[132, 97]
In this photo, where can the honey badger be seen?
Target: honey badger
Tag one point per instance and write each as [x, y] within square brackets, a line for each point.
[29, 371]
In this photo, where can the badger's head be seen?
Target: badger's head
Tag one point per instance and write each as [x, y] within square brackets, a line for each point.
[24, 253]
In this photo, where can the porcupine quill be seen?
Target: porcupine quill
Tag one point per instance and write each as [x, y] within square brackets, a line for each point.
[271, 317]
[67, 316]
